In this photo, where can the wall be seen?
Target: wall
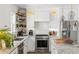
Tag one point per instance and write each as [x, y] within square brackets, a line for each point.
[5, 15]
[41, 13]
[41, 27]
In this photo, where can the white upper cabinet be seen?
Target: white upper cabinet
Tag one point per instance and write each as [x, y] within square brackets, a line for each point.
[41, 15]
[39, 12]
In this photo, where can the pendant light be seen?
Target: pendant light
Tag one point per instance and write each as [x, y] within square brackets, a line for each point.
[29, 12]
[53, 11]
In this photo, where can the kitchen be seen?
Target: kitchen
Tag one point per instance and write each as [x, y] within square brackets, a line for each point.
[41, 29]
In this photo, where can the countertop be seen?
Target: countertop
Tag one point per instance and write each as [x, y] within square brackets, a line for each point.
[63, 48]
[67, 49]
[9, 50]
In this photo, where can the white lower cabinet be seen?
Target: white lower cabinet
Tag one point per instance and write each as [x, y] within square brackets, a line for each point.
[52, 45]
[25, 50]
[14, 51]
[25, 47]
[31, 44]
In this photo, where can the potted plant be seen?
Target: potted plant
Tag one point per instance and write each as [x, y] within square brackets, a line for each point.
[5, 38]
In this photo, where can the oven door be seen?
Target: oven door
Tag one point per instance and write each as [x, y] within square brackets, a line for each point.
[42, 44]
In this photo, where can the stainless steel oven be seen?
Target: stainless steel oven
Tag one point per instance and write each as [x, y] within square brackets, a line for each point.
[42, 42]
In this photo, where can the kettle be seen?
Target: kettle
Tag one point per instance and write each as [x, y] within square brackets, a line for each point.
[31, 32]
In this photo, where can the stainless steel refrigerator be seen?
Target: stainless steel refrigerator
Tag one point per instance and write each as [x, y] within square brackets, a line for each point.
[70, 30]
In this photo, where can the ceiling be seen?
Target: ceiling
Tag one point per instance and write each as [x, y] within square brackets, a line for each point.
[21, 5]
[42, 5]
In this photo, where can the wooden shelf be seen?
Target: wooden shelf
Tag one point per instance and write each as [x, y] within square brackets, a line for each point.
[21, 14]
[21, 21]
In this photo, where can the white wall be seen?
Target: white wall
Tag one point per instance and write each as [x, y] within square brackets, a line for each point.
[5, 15]
[41, 27]
[41, 13]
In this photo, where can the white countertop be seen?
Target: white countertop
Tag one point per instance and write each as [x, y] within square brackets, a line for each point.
[63, 48]
[67, 49]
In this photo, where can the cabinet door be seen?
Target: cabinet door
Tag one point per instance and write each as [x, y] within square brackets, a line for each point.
[52, 45]
[31, 44]
[14, 52]
[25, 47]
